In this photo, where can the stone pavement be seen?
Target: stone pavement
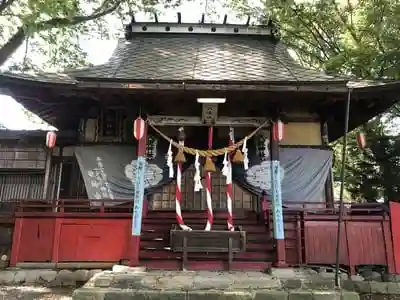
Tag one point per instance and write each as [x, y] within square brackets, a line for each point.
[34, 293]
[278, 284]
[46, 277]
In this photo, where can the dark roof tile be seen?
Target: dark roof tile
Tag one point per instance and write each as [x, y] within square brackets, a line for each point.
[202, 57]
[44, 77]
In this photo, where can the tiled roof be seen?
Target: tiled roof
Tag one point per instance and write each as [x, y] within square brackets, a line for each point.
[202, 57]
[43, 77]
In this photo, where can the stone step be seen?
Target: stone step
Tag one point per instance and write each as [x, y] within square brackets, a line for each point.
[128, 294]
[285, 284]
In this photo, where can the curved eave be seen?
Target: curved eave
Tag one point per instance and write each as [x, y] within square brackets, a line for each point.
[45, 80]
[333, 85]
[63, 137]
[368, 99]
[182, 85]
[34, 91]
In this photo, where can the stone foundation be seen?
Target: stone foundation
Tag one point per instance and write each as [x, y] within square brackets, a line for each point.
[47, 278]
[286, 284]
[277, 284]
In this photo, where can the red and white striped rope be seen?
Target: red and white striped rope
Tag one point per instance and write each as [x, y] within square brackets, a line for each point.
[210, 215]
[178, 197]
[229, 189]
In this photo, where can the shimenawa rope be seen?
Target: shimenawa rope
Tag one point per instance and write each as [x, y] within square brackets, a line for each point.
[207, 153]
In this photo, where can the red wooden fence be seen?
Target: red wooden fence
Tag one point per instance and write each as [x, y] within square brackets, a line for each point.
[395, 222]
[311, 235]
[74, 231]
[78, 232]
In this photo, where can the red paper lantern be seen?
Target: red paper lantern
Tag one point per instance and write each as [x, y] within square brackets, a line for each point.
[361, 140]
[138, 128]
[278, 130]
[51, 139]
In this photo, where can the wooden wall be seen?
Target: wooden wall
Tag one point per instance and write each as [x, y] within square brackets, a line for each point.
[19, 156]
[164, 198]
[28, 156]
[304, 134]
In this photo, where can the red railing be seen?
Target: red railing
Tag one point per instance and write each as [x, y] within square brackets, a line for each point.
[70, 230]
[311, 235]
[75, 208]
[57, 228]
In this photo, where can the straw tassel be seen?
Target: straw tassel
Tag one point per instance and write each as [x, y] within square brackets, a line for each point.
[197, 178]
[209, 166]
[169, 161]
[180, 156]
[238, 157]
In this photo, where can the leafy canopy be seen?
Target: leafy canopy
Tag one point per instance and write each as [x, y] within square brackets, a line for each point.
[54, 29]
[358, 38]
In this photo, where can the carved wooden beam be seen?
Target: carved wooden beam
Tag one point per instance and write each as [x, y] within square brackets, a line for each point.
[197, 121]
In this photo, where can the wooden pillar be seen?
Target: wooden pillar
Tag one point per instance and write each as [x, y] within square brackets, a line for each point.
[59, 178]
[278, 222]
[60, 169]
[47, 171]
[329, 196]
[138, 199]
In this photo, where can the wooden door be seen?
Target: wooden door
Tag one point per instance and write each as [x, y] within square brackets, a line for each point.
[164, 198]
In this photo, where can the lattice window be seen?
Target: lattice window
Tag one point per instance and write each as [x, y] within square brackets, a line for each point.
[164, 198]
[21, 186]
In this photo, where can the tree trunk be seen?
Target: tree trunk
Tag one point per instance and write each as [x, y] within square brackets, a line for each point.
[12, 45]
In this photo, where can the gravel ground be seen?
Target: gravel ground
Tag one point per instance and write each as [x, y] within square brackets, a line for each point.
[34, 293]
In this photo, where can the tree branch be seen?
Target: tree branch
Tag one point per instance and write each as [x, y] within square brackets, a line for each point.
[12, 45]
[4, 4]
[311, 31]
[18, 38]
[62, 22]
[348, 26]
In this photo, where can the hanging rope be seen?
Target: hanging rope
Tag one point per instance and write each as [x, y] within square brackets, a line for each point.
[178, 198]
[211, 152]
[210, 214]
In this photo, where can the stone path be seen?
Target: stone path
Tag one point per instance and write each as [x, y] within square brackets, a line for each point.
[45, 277]
[34, 293]
[279, 284]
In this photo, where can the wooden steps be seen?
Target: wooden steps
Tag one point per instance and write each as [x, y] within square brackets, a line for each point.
[211, 265]
[155, 251]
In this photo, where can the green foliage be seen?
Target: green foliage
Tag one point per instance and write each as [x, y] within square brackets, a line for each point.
[354, 37]
[358, 38]
[372, 173]
[53, 29]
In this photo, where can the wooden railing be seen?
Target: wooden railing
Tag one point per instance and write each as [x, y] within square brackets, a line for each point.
[74, 207]
[310, 231]
[311, 234]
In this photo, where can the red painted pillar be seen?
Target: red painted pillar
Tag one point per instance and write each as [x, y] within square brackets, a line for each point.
[16, 244]
[140, 132]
